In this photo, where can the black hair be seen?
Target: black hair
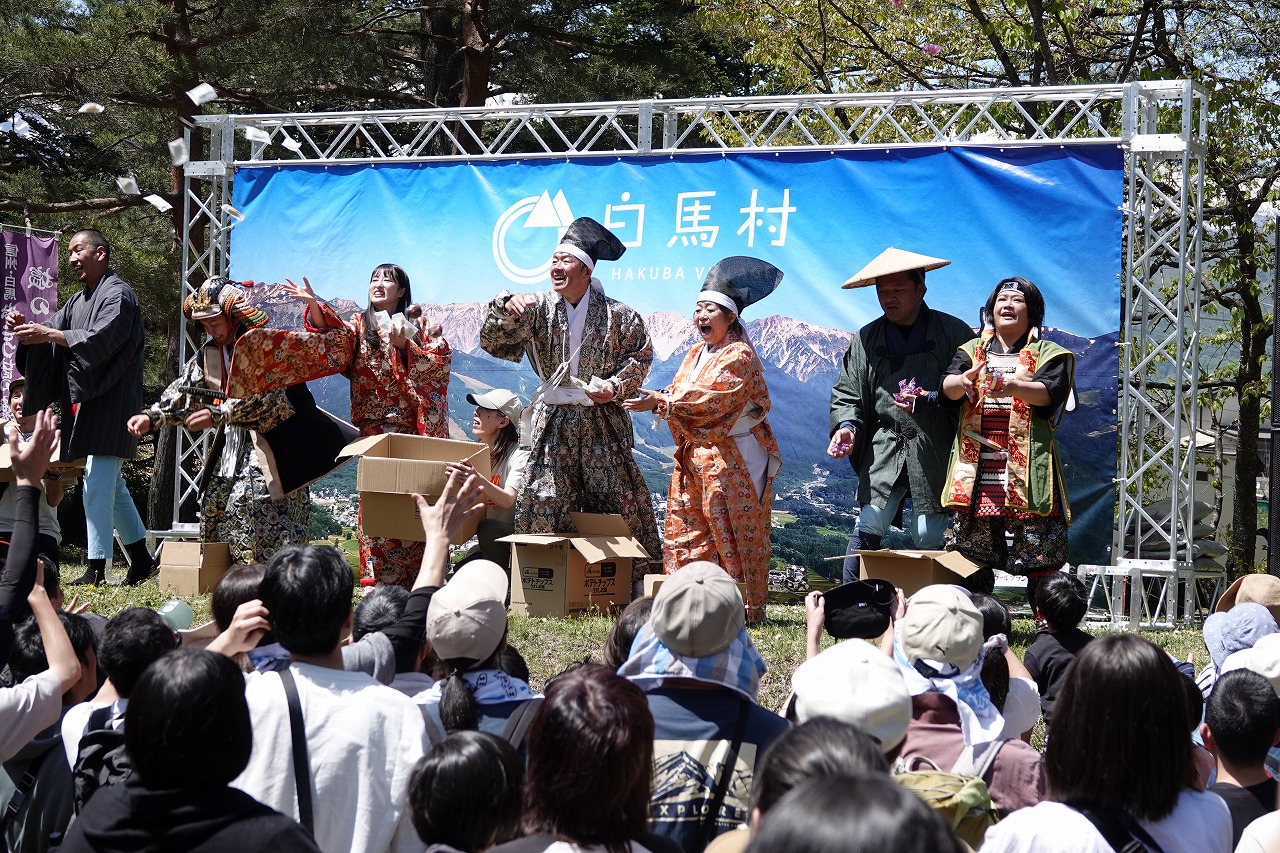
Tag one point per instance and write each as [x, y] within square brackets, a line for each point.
[1062, 600]
[995, 668]
[617, 646]
[379, 609]
[52, 580]
[864, 813]
[1140, 761]
[465, 793]
[459, 709]
[513, 663]
[95, 240]
[820, 748]
[1029, 291]
[187, 723]
[238, 585]
[1195, 699]
[307, 592]
[133, 639]
[1243, 714]
[28, 656]
[400, 277]
[508, 439]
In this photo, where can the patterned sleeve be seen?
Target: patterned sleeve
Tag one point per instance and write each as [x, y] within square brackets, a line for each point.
[175, 405]
[635, 352]
[340, 333]
[503, 336]
[701, 407]
[261, 412]
[429, 362]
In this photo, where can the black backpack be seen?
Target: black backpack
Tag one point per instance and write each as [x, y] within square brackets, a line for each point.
[101, 760]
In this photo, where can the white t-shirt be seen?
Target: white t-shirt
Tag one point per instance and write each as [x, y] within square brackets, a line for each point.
[1021, 708]
[1261, 836]
[1199, 823]
[76, 720]
[509, 473]
[363, 739]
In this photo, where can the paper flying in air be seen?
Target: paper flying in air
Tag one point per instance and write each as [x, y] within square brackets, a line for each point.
[90, 107]
[256, 134]
[291, 143]
[127, 185]
[158, 203]
[178, 152]
[202, 94]
[233, 213]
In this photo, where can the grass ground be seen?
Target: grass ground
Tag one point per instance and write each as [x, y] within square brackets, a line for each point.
[550, 645]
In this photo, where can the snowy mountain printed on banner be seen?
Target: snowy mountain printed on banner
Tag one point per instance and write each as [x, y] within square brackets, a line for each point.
[802, 362]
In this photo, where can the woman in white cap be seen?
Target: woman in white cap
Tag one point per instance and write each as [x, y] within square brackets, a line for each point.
[399, 372]
[497, 414]
[726, 457]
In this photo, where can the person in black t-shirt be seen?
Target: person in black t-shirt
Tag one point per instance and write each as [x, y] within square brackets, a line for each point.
[1242, 722]
[1061, 603]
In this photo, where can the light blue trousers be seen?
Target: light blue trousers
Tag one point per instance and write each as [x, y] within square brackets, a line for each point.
[107, 506]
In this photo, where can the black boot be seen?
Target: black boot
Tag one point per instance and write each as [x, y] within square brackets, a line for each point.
[142, 565]
[96, 573]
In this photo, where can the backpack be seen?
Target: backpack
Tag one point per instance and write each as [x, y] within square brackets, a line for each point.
[962, 798]
[101, 760]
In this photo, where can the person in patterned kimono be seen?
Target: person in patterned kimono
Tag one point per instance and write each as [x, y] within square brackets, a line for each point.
[721, 495]
[399, 372]
[591, 353]
[268, 446]
[1005, 475]
[894, 454]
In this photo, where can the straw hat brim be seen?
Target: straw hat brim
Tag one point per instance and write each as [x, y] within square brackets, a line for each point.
[892, 261]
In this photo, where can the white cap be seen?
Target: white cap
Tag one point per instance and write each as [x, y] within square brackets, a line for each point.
[856, 683]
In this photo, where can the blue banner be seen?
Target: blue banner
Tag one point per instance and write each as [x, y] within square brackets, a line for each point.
[465, 231]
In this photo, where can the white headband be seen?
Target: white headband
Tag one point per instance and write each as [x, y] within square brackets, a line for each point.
[571, 249]
[721, 299]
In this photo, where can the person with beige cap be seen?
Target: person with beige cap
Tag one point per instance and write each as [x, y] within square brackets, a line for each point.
[856, 683]
[701, 675]
[496, 423]
[896, 453]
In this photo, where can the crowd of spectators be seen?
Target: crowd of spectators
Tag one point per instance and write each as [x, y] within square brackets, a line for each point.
[410, 723]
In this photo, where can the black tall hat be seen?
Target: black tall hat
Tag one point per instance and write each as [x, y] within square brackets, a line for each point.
[589, 241]
[739, 281]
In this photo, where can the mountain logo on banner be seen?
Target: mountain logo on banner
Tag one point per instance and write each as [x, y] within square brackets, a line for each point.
[544, 222]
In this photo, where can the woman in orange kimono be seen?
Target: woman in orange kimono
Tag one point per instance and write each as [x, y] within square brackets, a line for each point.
[718, 506]
[399, 372]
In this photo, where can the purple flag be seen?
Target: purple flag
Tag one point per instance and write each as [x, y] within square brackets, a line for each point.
[30, 284]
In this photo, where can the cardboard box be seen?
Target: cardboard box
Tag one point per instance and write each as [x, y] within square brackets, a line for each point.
[652, 583]
[913, 570]
[571, 574]
[192, 568]
[56, 465]
[392, 467]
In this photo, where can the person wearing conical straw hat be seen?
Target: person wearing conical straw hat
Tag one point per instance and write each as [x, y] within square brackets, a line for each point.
[896, 454]
[718, 506]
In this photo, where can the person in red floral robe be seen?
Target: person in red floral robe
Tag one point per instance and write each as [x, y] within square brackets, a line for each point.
[399, 372]
[721, 495]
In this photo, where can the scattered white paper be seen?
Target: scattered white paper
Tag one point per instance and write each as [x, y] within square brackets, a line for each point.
[291, 143]
[127, 185]
[233, 213]
[91, 107]
[256, 134]
[158, 203]
[178, 152]
[202, 94]
[595, 386]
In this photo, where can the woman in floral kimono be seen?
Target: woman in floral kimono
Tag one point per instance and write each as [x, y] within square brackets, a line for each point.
[1004, 473]
[399, 372]
[718, 506]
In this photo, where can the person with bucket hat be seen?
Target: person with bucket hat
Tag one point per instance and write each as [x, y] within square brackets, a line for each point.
[496, 423]
[721, 494]
[399, 372]
[268, 447]
[894, 453]
[701, 674]
[590, 353]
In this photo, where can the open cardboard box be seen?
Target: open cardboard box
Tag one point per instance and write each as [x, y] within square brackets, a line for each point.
[571, 574]
[914, 570]
[392, 467]
[56, 465]
[192, 568]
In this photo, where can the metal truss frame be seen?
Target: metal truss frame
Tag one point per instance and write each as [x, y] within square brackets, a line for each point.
[1163, 125]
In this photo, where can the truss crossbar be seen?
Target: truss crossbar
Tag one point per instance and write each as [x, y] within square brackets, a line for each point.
[1162, 124]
